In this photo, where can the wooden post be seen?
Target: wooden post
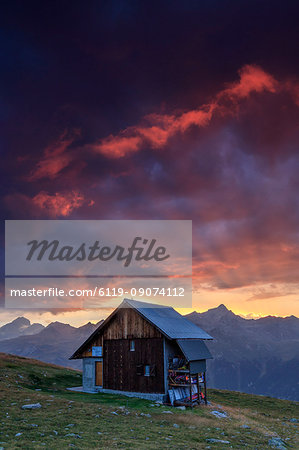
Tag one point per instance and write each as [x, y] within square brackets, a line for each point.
[205, 385]
[190, 387]
[198, 389]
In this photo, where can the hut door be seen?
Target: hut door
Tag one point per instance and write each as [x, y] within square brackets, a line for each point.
[99, 373]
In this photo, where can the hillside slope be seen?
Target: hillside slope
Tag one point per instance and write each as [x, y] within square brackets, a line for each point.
[80, 420]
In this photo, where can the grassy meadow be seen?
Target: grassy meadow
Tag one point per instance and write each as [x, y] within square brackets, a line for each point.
[69, 419]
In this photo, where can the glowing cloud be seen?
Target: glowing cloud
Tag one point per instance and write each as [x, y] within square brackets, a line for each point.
[159, 128]
[58, 204]
[55, 157]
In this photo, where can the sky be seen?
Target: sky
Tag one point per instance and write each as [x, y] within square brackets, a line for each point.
[160, 110]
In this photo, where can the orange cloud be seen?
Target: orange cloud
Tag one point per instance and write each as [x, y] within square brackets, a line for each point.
[45, 204]
[252, 79]
[159, 128]
[55, 157]
[58, 204]
[119, 145]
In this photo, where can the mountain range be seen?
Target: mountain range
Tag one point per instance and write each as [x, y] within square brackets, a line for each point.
[257, 356]
[54, 343]
[19, 327]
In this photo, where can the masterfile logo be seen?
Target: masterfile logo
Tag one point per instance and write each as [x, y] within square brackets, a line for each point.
[90, 247]
[140, 251]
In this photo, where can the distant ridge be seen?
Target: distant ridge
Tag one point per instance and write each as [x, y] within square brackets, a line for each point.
[259, 356]
[19, 327]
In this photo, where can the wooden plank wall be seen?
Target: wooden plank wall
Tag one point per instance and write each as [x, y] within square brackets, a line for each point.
[120, 365]
[125, 324]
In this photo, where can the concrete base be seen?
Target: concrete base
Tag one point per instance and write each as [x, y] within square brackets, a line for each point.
[76, 389]
[153, 397]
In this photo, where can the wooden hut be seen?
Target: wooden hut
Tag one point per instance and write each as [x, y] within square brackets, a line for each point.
[149, 351]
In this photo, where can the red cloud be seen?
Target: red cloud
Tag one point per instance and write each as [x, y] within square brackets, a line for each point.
[120, 145]
[58, 204]
[45, 204]
[252, 79]
[160, 128]
[55, 157]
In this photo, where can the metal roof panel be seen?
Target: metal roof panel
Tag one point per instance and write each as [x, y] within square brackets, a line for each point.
[170, 322]
[194, 349]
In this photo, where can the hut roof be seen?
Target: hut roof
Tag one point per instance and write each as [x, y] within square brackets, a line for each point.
[172, 324]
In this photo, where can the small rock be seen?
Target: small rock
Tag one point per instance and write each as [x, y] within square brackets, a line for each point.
[115, 413]
[18, 434]
[99, 432]
[71, 425]
[33, 425]
[219, 414]
[167, 412]
[77, 436]
[175, 425]
[32, 406]
[217, 441]
[277, 442]
[145, 415]
[181, 407]
[245, 426]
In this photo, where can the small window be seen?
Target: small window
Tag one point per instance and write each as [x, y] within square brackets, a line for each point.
[132, 346]
[97, 351]
[150, 371]
[146, 370]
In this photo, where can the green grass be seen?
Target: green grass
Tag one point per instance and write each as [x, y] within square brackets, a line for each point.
[90, 414]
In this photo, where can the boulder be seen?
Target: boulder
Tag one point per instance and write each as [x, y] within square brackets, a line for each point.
[32, 406]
